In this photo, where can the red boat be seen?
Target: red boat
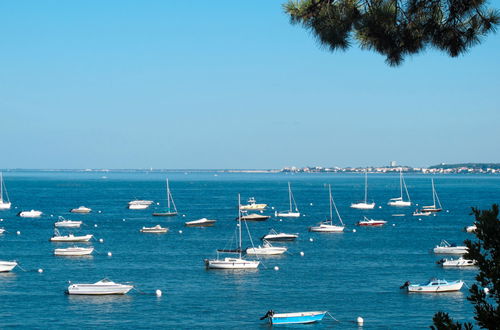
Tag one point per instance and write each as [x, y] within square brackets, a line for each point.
[371, 223]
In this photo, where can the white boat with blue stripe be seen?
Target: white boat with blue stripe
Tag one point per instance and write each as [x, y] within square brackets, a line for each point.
[294, 318]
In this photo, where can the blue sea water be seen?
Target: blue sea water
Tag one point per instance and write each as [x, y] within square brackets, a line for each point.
[350, 274]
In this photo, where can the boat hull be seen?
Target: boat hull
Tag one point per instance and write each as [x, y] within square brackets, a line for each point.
[85, 238]
[297, 318]
[154, 231]
[7, 266]
[5, 206]
[231, 263]
[363, 206]
[266, 251]
[81, 210]
[72, 252]
[325, 228]
[399, 203]
[207, 223]
[96, 290]
[166, 214]
[30, 214]
[451, 287]
[279, 238]
[371, 224]
[288, 214]
[138, 206]
[72, 224]
[450, 250]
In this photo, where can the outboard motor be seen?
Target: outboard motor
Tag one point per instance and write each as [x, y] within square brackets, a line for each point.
[269, 313]
[405, 285]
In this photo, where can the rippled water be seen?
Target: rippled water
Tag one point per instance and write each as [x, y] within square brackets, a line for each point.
[350, 274]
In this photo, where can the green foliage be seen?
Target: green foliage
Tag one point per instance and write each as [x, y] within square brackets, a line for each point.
[486, 252]
[396, 28]
[442, 321]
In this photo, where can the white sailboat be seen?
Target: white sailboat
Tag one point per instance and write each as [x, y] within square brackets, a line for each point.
[399, 201]
[233, 263]
[364, 205]
[290, 213]
[5, 204]
[170, 201]
[328, 226]
[435, 199]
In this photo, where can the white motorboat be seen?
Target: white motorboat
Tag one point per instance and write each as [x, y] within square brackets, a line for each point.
[294, 318]
[2, 230]
[267, 249]
[449, 248]
[364, 205]
[139, 204]
[291, 212]
[154, 230]
[63, 223]
[7, 266]
[203, 222]
[170, 201]
[74, 251]
[328, 226]
[371, 222]
[103, 287]
[5, 203]
[81, 209]
[69, 238]
[253, 206]
[30, 214]
[434, 286]
[273, 235]
[436, 203]
[458, 263]
[232, 262]
[399, 201]
[471, 229]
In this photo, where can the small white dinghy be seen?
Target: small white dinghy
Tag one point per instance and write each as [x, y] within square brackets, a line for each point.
[449, 248]
[457, 263]
[267, 249]
[63, 223]
[433, 286]
[471, 229]
[139, 204]
[30, 214]
[81, 209]
[154, 230]
[103, 287]
[273, 235]
[204, 222]
[74, 251]
[7, 266]
[69, 238]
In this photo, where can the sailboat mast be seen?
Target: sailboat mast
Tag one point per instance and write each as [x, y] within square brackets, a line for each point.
[330, 191]
[366, 186]
[401, 182]
[290, 196]
[239, 224]
[433, 194]
[168, 197]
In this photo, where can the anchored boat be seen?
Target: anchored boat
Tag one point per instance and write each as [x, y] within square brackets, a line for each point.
[154, 230]
[7, 266]
[458, 263]
[170, 200]
[291, 213]
[67, 223]
[253, 206]
[267, 249]
[435, 199]
[204, 222]
[294, 318]
[449, 248]
[103, 287]
[433, 286]
[81, 209]
[30, 214]
[364, 205]
[328, 226]
[371, 222]
[139, 204]
[399, 201]
[273, 235]
[5, 204]
[69, 238]
[74, 251]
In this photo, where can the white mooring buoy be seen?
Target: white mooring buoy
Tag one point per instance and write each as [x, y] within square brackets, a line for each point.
[354, 230]
[18, 232]
[110, 254]
[276, 268]
[95, 226]
[40, 270]
[301, 253]
[486, 291]
[311, 239]
[360, 321]
[101, 240]
[158, 293]
[180, 231]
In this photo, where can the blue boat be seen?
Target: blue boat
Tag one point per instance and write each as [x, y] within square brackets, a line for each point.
[294, 318]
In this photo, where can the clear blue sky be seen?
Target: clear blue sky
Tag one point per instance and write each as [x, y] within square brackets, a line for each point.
[227, 84]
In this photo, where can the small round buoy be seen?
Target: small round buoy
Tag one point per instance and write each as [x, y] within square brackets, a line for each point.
[394, 225]
[486, 291]
[110, 254]
[51, 215]
[301, 253]
[157, 203]
[380, 207]
[180, 231]
[419, 219]
[18, 232]
[276, 268]
[311, 240]
[158, 293]
[95, 225]
[101, 240]
[281, 220]
[311, 204]
[123, 220]
[447, 211]
[1, 219]
[183, 215]
[99, 211]
[354, 230]
[360, 321]
[40, 270]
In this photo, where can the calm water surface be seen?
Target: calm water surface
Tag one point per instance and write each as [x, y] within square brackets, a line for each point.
[350, 274]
